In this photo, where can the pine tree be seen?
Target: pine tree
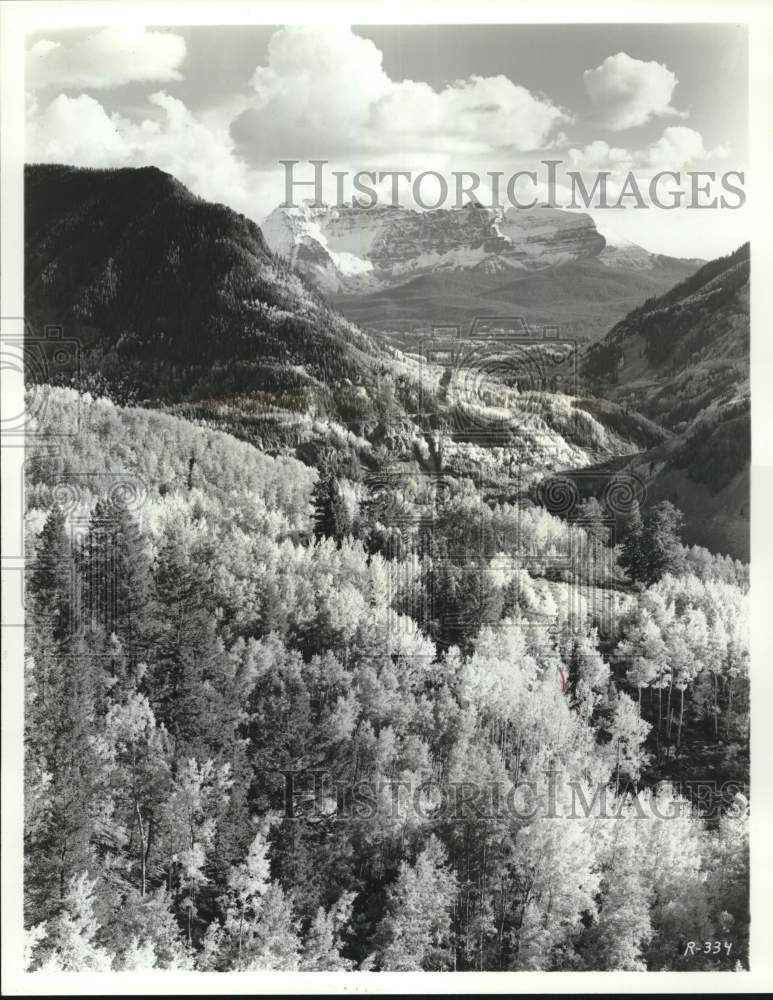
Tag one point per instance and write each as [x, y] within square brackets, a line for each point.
[115, 574]
[633, 557]
[663, 550]
[190, 676]
[51, 583]
[462, 600]
[332, 518]
[65, 724]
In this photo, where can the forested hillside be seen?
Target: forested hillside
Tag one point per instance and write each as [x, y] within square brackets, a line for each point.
[314, 719]
[322, 671]
[683, 352]
[683, 360]
[172, 297]
[176, 302]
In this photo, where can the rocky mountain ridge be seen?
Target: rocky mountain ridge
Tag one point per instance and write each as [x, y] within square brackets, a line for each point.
[355, 250]
[358, 250]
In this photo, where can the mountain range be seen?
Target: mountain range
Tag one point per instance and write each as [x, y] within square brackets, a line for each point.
[180, 304]
[390, 268]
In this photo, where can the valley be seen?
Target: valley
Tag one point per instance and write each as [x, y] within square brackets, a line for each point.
[409, 522]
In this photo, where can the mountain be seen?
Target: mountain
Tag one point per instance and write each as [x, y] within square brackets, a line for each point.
[676, 355]
[180, 304]
[682, 360]
[176, 300]
[392, 268]
[352, 249]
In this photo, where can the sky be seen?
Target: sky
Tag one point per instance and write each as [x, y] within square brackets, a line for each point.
[219, 107]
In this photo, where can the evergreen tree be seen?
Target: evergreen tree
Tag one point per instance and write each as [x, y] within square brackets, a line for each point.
[662, 542]
[633, 556]
[331, 517]
[115, 575]
[51, 583]
[62, 844]
[652, 545]
[191, 677]
[462, 599]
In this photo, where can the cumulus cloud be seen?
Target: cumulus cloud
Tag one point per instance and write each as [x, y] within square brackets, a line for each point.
[324, 92]
[678, 148]
[628, 92]
[79, 131]
[75, 130]
[599, 155]
[108, 58]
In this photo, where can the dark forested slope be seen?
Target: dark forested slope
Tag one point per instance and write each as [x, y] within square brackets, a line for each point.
[683, 360]
[173, 297]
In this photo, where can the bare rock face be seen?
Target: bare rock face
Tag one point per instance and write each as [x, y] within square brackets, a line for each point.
[357, 250]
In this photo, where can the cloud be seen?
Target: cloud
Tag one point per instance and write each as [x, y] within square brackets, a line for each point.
[108, 58]
[79, 131]
[679, 148]
[628, 92]
[200, 155]
[324, 93]
[599, 155]
[75, 130]
[302, 104]
[480, 113]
